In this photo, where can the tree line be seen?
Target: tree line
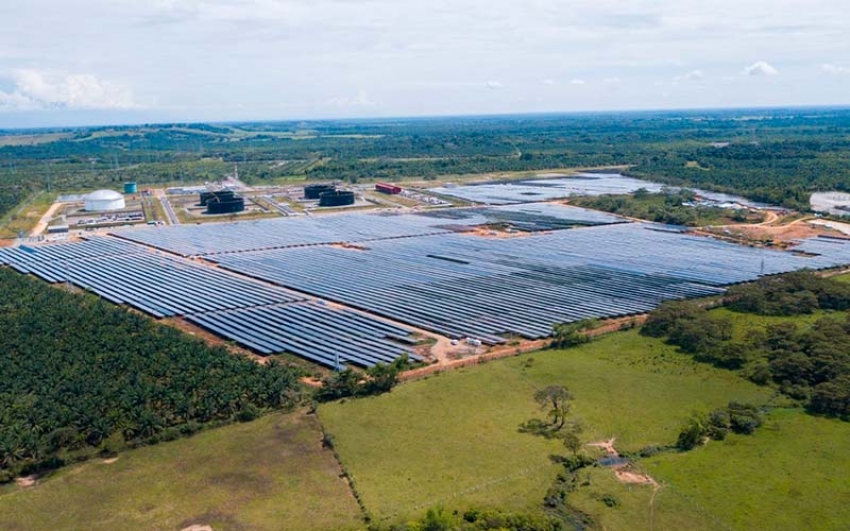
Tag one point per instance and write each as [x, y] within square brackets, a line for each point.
[779, 158]
[79, 376]
[809, 364]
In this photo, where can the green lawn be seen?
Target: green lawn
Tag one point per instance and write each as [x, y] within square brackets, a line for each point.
[843, 278]
[742, 323]
[270, 474]
[638, 507]
[791, 474]
[26, 215]
[452, 440]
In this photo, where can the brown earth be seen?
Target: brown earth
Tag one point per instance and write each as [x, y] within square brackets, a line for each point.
[443, 350]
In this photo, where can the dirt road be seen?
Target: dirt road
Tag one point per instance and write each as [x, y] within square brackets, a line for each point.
[443, 348]
[45, 220]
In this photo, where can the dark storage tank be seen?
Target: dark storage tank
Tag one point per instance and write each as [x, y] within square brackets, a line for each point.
[336, 198]
[222, 202]
[221, 195]
[229, 206]
[314, 191]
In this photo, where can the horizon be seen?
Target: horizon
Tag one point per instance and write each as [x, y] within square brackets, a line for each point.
[105, 62]
[400, 118]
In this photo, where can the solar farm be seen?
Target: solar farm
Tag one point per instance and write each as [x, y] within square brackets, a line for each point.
[360, 288]
[549, 188]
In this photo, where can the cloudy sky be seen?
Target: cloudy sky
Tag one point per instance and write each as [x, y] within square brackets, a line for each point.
[115, 61]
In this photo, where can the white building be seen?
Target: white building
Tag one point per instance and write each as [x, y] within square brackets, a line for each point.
[104, 201]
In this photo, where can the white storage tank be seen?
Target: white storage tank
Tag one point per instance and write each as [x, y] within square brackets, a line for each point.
[104, 201]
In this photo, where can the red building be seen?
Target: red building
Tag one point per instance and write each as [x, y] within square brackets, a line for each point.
[386, 188]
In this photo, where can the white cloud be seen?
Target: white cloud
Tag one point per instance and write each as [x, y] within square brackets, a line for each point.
[577, 82]
[39, 90]
[494, 85]
[420, 57]
[835, 69]
[693, 75]
[548, 82]
[361, 99]
[612, 80]
[761, 69]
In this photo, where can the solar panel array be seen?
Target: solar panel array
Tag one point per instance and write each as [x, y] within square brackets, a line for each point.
[318, 333]
[218, 238]
[469, 286]
[265, 318]
[516, 192]
[417, 269]
[193, 240]
[530, 217]
[527, 191]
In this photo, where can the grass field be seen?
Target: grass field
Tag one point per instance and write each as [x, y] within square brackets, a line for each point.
[742, 323]
[452, 440]
[270, 474]
[843, 278]
[26, 215]
[791, 474]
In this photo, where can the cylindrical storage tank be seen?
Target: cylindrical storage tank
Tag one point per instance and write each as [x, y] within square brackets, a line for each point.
[130, 188]
[336, 198]
[229, 205]
[104, 201]
[220, 195]
[314, 191]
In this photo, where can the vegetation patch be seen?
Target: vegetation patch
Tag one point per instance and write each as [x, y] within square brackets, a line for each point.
[81, 376]
[809, 364]
[453, 440]
[265, 475]
[787, 475]
[675, 207]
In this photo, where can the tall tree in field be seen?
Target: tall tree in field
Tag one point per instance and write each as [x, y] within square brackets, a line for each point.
[555, 399]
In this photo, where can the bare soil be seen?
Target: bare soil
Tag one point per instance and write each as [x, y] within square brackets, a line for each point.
[41, 226]
[448, 356]
[624, 472]
[26, 482]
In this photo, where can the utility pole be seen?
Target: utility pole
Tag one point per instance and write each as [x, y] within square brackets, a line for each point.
[47, 165]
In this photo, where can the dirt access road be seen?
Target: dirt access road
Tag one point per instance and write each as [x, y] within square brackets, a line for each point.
[443, 348]
[45, 220]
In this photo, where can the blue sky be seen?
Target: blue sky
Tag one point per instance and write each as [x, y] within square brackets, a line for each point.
[116, 61]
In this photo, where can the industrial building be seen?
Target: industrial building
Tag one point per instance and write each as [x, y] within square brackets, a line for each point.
[387, 188]
[222, 202]
[104, 201]
[130, 188]
[336, 198]
[313, 191]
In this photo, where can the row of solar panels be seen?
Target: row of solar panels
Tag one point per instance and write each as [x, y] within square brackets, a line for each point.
[158, 285]
[314, 332]
[485, 306]
[467, 286]
[258, 316]
[92, 248]
[195, 240]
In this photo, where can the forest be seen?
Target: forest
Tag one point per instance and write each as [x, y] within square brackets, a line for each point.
[807, 363]
[778, 156]
[81, 377]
